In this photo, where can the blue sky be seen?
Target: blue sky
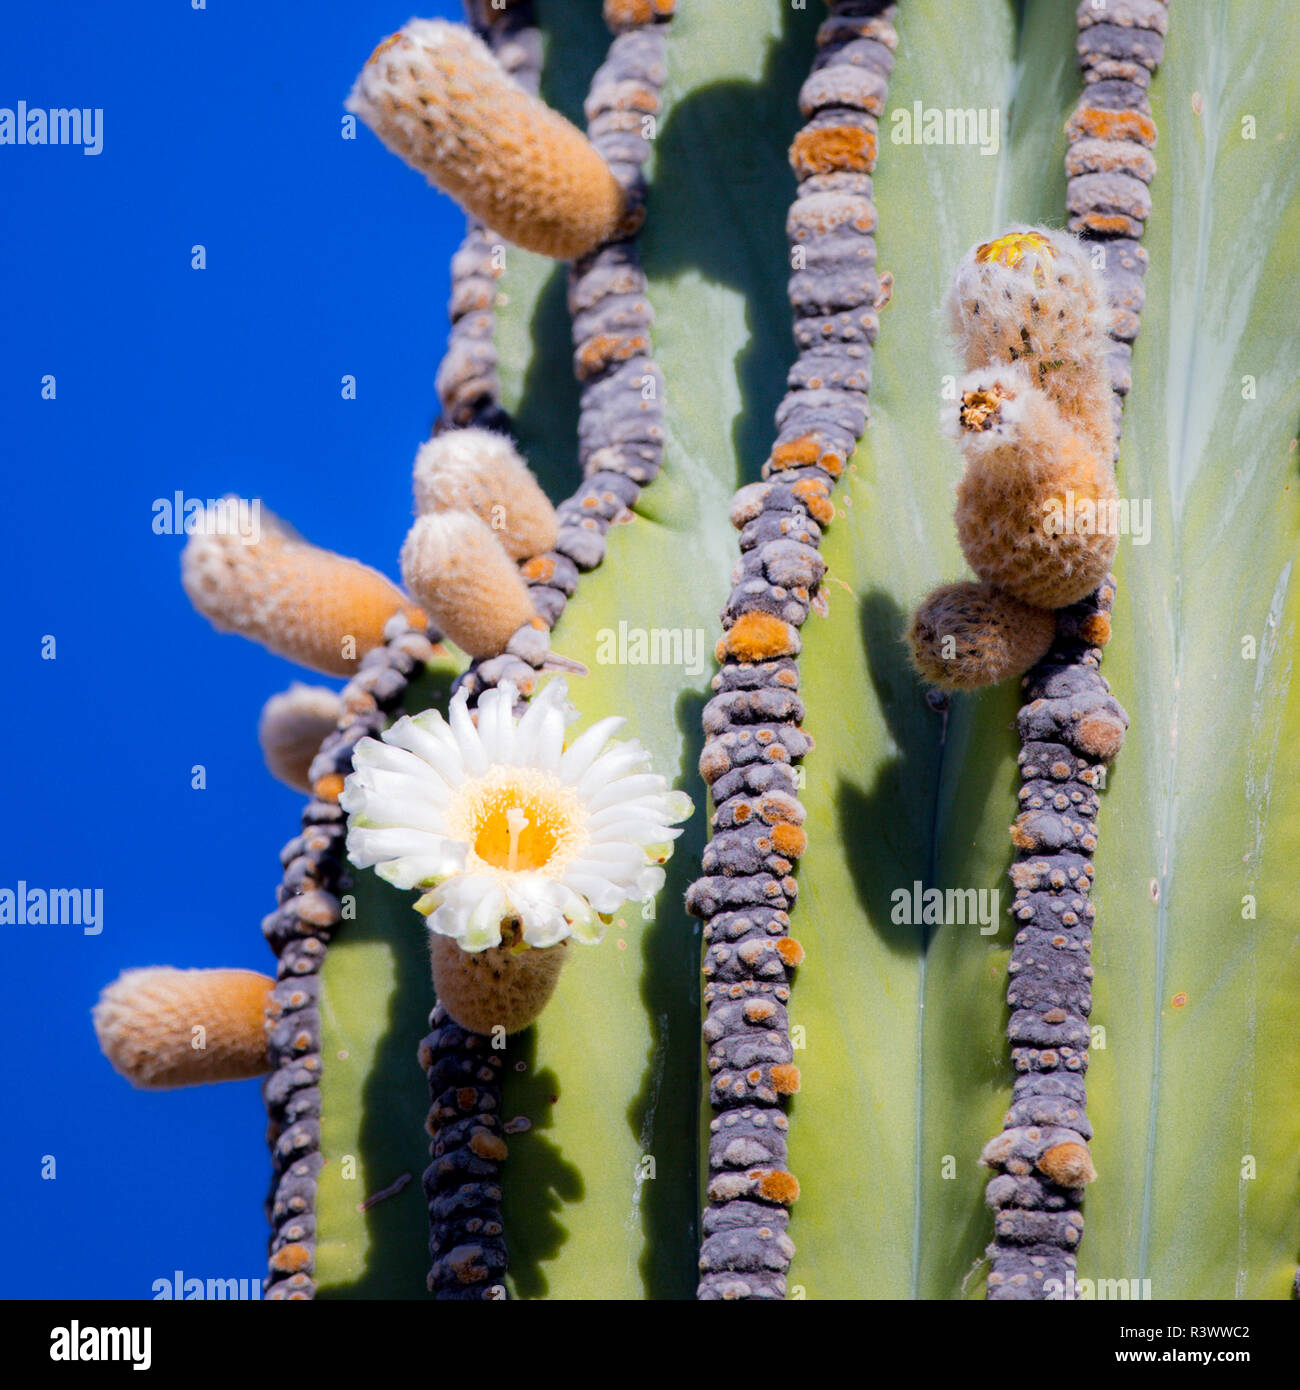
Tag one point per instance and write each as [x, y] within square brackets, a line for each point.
[325, 257]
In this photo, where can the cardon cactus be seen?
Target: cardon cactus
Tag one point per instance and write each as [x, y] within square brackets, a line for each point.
[853, 301]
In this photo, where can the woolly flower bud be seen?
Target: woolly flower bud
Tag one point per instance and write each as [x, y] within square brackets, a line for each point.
[967, 635]
[310, 605]
[502, 987]
[1032, 296]
[435, 95]
[293, 727]
[1037, 504]
[474, 470]
[453, 563]
[162, 1027]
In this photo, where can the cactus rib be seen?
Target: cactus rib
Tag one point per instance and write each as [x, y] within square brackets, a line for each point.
[620, 448]
[752, 724]
[299, 932]
[1071, 725]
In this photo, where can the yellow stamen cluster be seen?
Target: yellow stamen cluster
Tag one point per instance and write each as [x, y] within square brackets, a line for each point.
[519, 819]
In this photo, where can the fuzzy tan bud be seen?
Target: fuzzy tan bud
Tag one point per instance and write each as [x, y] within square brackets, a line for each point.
[1033, 297]
[312, 606]
[454, 564]
[474, 470]
[1036, 505]
[161, 1027]
[500, 987]
[964, 636]
[435, 95]
[292, 728]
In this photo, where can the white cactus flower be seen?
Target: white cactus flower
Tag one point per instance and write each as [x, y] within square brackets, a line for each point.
[500, 823]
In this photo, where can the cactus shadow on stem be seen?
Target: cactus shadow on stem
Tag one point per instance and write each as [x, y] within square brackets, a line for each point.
[896, 848]
[390, 1138]
[717, 208]
[664, 1115]
[534, 1231]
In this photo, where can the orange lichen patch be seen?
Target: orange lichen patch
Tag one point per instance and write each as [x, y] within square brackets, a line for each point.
[833, 149]
[1010, 250]
[714, 760]
[416, 617]
[317, 608]
[981, 408]
[795, 452]
[466, 1098]
[488, 1145]
[291, 1259]
[635, 14]
[785, 1077]
[777, 1186]
[789, 840]
[539, 569]
[328, 788]
[759, 1010]
[1107, 224]
[1100, 124]
[1101, 735]
[1095, 629]
[741, 814]
[790, 951]
[813, 493]
[162, 1027]
[756, 636]
[1021, 838]
[1068, 1165]
[603, 349]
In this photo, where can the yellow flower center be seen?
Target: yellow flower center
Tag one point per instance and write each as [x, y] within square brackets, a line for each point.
[1011, 249]
[519, 820]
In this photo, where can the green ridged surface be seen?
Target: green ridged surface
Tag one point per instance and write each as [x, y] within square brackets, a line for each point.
[905, 1062]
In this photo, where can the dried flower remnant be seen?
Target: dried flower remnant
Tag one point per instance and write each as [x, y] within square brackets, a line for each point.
[436, 96]
[304, 603]
[161, 1027]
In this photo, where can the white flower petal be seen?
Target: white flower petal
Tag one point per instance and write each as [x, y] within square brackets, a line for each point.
[431, 743]
[586, 747]
[612, 764]
[647, 784]
[603, 895]
[496, 723]
[540, 903]
[467, 740]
